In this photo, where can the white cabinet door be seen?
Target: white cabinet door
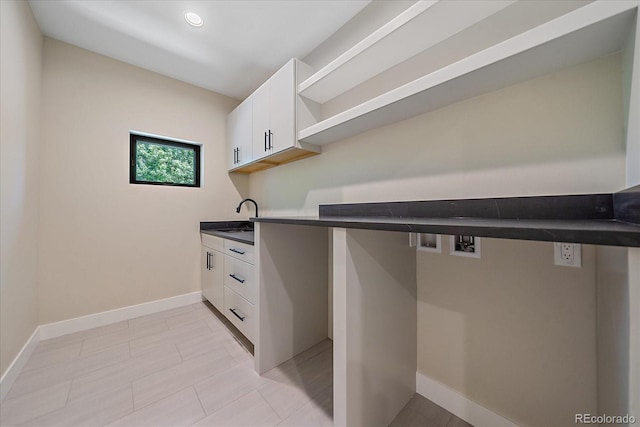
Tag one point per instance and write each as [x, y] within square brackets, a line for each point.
[232, 148]
[240, 128]
[212, 277]
[274, 107]
[261, 121]
[282, 108]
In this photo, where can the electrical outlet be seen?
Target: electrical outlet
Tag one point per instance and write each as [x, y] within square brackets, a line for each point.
[568, 254]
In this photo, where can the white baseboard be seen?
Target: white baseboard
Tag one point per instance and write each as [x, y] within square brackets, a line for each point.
[459, 405]
[77, 324]
[18, 363]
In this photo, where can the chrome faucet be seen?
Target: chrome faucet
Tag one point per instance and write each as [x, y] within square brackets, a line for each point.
[247, 200]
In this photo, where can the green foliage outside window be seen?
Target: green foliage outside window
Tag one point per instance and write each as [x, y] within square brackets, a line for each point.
[155, 161]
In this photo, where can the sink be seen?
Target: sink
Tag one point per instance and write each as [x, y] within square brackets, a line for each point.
[236, 230]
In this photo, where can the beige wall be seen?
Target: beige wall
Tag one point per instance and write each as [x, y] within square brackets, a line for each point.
[105, 243]
[21, 75]
[510, 331]
[613, 330]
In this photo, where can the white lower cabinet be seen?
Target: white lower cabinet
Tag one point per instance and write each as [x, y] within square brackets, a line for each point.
[228, 281]
[240, 287]
[212, 270]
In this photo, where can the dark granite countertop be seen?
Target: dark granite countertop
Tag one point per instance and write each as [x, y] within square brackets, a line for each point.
[239, 231]
[601, 219]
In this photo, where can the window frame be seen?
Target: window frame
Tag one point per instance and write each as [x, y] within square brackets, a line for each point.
[133, 140]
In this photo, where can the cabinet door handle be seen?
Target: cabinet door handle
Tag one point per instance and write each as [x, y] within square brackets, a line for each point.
[208, 264]
[238, 154]
[233, 310]
[265, 142]
[235, 156]
[238, 251]
[270, 143]
[237, 278]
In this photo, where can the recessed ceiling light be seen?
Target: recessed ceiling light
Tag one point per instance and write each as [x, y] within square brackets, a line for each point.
[194, 19]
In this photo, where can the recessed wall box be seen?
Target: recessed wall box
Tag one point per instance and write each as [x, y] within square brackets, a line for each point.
[430, 242]
[467, 246]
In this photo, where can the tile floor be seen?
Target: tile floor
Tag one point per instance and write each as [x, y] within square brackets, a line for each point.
[180, 367]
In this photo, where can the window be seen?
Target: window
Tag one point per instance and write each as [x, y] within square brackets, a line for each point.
[163, 162]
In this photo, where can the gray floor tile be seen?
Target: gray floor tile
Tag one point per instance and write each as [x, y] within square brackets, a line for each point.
[80, 336]
[179, 367]
[33, 405]
[96, 410]
[227, 386]
[197, 330]
[249, 410]
[155, 317]
[432, 412]
[52, 356]
[179, 409]
[64, 371]
[195, 346]
[164, 383]
[458, 422]
[102, 342]
[317, 413]
[124, 372]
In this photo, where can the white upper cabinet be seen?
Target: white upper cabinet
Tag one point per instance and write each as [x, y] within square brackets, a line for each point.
[239, 135]
[266, 125]
[261, 120]
[282, 107]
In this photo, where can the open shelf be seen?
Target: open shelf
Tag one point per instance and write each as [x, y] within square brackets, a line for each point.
[399, 39]
[593, 31]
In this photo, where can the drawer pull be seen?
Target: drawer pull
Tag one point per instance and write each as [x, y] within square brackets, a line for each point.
[238, 251]
[233, 310]
[237, 278]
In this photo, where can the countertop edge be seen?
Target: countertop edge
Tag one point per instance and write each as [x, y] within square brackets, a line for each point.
[211, 228]
[226, 236]
[602, 219]
[599, 232]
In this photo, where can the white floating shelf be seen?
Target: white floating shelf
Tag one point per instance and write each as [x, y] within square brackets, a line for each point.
[420, 27]
[590, 32]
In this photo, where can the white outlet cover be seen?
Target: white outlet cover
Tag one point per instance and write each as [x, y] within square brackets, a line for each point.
[575, 261]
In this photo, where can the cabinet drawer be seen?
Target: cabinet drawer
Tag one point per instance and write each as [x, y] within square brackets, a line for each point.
[212, 242]
[238, 276]
[239, 250]
[240, 312]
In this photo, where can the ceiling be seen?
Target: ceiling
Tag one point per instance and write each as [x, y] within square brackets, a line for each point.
[241, 44]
